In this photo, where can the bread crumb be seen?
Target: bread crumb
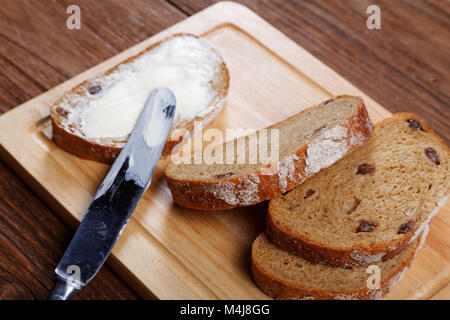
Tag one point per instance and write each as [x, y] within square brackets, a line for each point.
[328, 148]
[365, 258]
[245, 192]
[286, 170]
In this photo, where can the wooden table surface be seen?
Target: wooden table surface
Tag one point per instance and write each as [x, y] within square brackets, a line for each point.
[405, 66]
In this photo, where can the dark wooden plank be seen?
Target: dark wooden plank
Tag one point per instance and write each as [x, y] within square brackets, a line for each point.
[38, 52]
[405, 66]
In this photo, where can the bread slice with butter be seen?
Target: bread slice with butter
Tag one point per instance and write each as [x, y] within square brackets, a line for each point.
[372, 204]
[307, 142]
[95, 118]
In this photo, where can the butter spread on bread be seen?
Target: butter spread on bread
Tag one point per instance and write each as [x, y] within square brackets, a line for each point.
[95, 118]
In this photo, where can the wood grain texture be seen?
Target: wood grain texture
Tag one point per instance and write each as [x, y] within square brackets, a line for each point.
[443, 294]
[404, 66]
[192, 254]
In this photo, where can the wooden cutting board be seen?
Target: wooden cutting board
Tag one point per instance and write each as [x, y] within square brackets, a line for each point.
[171, 252]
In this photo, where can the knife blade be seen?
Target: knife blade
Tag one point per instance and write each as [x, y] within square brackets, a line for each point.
[117, 197]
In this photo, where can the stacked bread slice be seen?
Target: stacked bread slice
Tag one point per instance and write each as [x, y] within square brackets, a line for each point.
[367, 213]
[285, 276]
[348, 209]
[307, 142]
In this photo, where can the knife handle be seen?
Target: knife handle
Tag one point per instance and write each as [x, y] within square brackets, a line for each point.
[62, 290]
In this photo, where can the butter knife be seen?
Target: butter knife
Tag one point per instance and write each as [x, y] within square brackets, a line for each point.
[117, 197]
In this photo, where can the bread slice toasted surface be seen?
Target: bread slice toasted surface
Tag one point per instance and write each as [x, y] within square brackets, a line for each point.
[370, 205]
[308, 142]
[120, 93]
[282, 275]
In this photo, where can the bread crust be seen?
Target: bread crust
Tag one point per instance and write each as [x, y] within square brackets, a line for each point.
[279, 289]
[335, 257]
[92, 150]
[198, 195]
[338, 257]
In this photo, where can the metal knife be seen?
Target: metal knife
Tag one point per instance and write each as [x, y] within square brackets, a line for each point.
[117, 197]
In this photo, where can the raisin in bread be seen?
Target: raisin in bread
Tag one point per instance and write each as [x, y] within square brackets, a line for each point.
[372, 204]
[308, 142]
[95, 118]
[282, 275]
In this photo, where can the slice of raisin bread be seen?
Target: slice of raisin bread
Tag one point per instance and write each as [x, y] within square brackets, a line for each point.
[94, 119]
[282, 275]
[308, 142]
[370, 205]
